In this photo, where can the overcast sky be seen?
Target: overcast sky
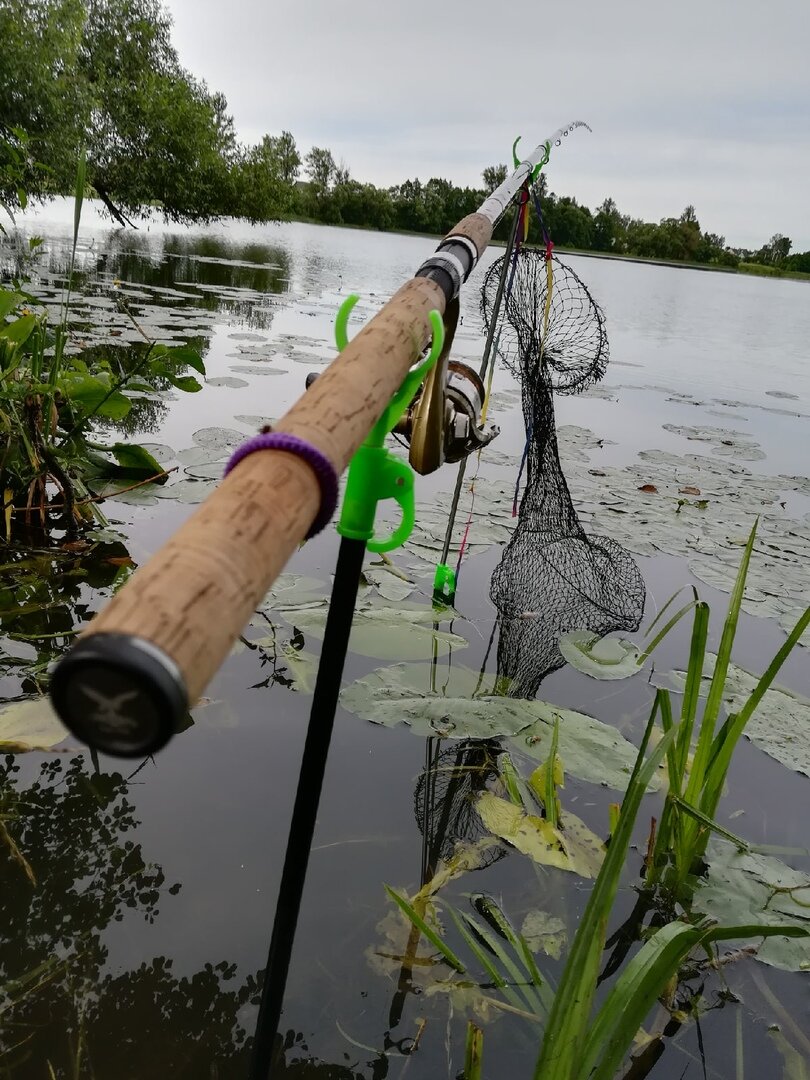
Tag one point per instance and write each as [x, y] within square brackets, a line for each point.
[699, 101]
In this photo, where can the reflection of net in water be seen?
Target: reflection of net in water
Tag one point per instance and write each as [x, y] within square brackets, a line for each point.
[444, 799]
[552, 577]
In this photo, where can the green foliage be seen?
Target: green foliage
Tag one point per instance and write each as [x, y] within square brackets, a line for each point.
[104, 74]
[49, 403]
[696, 785]
[493, 176]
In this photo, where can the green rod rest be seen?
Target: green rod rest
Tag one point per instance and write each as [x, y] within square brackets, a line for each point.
[539, 165]
[375, 474]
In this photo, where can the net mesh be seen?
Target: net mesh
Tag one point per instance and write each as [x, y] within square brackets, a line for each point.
[552, 578]
[444, 799]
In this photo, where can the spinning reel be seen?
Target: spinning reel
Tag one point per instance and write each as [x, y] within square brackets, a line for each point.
[444, 423]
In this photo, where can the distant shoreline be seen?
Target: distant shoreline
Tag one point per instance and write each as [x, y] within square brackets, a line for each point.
[748, 269]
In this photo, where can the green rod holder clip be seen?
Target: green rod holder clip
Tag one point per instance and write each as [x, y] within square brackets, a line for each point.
[444, 584]
[539, 165]
[375, 474]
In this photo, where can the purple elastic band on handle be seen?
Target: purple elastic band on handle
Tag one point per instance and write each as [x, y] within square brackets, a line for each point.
[318, 462]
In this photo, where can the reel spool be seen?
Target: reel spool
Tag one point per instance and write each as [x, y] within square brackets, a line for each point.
[452, 431]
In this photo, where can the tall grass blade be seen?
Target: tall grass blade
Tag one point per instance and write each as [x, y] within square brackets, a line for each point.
[717, 685]
[659, 637]
[474, 1052]
[635, 991]
[667, 606]
[496, 977]
[694, 679]
[569, 1019]
[493, 914]
[712, 825]
[518, 977]
[428, 931]
[730, 733]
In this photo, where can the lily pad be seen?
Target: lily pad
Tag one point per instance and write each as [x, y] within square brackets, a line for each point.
[255, 421]
[601, 658]
[543, 932]
[577, 849]
[187, 491]
[387, 583]
[292, 591]
[30, 725]
[780, 724]
[751, 888]
[203, 455]
[258, 369]
[218, 438]
[447, 703]
[209, 471]
[387, 633]
[302, 667]
[227, 380]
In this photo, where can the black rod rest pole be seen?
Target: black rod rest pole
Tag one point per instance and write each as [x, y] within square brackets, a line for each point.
[305, 810]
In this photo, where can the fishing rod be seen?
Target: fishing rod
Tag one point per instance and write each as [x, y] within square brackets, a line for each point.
[129, 680]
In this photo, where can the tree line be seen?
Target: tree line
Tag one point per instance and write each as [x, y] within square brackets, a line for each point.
[103, 76]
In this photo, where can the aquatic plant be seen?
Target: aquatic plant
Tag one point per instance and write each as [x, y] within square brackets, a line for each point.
[576, 1041]
[697, 778]
[50, 400]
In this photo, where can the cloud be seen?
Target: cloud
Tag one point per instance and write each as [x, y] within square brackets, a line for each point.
[705, 102]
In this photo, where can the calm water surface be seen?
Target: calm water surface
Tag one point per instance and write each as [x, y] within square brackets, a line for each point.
[165, 983]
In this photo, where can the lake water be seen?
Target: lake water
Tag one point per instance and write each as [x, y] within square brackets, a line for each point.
[150, 919]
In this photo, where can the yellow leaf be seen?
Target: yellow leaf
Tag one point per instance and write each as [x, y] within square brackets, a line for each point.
[466, 857]
[30, 725]
[573, 847]
[537, 781]
[8, 500]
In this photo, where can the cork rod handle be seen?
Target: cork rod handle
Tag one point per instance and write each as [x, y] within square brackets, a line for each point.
[152, 650]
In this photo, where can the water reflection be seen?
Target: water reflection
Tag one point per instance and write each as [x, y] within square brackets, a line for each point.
[70, 869]
[161, 275]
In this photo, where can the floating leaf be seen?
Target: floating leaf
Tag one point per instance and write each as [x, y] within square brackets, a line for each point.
[577, 850]
[649, 488]
[446, 703]
[255, 421]
[386, 633]
[227, 380]
[689, 490]
[162, 453]
[257, 369]
[750, 888]
[780, 724]
[187, 491]
[218, 438]
[292, 591]
[543, 932]
[388, 583]
[302, 666]
[601, 658]
[30, 725]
